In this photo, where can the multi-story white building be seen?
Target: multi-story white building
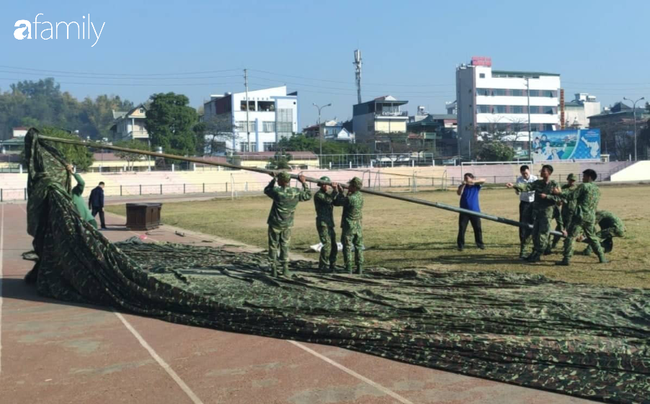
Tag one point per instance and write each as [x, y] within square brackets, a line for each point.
[272, 115]
[130, 125]
[490, 101]
[578, 111]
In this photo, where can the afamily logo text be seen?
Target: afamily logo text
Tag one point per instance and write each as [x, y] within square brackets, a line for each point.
[86, 30]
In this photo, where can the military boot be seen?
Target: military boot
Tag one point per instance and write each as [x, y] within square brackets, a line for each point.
[332, 268]
[359, 270]
[285, 270]
[534, 257]
[274, 270]
[602, 259]
[565, 262]
[348, 269]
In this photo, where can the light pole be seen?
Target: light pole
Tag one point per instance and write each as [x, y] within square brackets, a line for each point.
[634, 115]
[320, 136]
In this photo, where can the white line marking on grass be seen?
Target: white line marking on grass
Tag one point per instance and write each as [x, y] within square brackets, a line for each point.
[353, 373]
[2, 246]
[160, 360]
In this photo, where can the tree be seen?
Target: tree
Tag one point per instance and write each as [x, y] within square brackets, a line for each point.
[78, 156]
[280, 161]
[170, 121]
[495, 151]
[130, 158]
[214, 135]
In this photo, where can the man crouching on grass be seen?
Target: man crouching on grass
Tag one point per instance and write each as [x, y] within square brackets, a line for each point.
[280, 221]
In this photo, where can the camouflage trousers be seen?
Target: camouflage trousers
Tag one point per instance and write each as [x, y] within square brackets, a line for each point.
[605, 234]
[588, 229]
[329, 251]
[279, 239]
[541, 231]
[352, 236]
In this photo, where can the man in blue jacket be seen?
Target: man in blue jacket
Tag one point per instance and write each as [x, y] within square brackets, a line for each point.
[96, 203]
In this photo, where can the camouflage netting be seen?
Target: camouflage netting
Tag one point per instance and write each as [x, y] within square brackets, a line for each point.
[581, 340]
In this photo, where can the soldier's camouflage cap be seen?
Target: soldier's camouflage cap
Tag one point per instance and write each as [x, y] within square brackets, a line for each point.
[284, 176]
[324, 179]
[572, 177]
[356, 181]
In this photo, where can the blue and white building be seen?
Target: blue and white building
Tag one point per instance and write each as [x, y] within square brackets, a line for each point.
[272, 115]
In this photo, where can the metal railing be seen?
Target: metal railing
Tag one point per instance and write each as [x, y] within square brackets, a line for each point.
[375, 180]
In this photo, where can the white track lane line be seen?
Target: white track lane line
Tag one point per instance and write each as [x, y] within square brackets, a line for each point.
[160, 360]
[353, 373]
[2, 246]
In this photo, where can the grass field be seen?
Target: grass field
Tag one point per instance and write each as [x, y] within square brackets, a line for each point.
[399, 235]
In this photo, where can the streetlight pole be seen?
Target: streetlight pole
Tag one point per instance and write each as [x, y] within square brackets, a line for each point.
[634, 115]
[320, 135]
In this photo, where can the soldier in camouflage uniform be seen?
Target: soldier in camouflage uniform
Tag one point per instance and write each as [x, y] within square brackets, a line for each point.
[542, 208]
[610, 226]
[324, 203]
[568, 209]
[352, 234]
[280, 221]
[586, 197]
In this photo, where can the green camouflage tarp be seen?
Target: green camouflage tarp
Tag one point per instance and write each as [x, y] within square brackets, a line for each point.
[582, 340]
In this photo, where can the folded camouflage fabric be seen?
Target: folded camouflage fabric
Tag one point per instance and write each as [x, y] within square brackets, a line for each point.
[576, 339]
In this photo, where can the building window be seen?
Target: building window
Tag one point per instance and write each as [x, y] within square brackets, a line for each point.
[251, 105]
[516, 109]
[500, 109]
[498, 92]
[481, 75]
[483, 91]
[483, 109]
[284, 127]
[549, 110]
[241, 126]
[243, 146]
[268, 126]
[269, 146]
[266, 106]
[534, 93]
[517, 93]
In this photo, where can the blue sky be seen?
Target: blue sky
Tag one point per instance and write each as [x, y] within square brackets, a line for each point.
[410, 49]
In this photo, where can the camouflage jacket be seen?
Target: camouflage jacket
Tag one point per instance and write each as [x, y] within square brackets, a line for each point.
[543, 206]
[285, 201]
[568, 206]
[352, 209]
[608, 220]
[78, 200]
[586, 197]
[324, 203]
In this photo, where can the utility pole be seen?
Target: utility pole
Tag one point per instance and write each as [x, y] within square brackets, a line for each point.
[320, 135]
[634, 115]
[530, 134]
[248, 124]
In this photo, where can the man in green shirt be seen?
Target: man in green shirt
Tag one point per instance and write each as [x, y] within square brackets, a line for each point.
[324, 203]
[77, 199]
[542, 209]
[567, 210]
[610, 226]
[280, 221]
[586, 196]
[352, 233]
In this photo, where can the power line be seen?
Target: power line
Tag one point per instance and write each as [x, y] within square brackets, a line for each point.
[117, 74]
[344, 89]
[345, 82]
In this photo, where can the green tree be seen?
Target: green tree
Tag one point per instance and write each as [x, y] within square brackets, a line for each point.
[78, 156]
[495, 151]
[131, 158]
[280, 161]
[299, 142]
[170, 121]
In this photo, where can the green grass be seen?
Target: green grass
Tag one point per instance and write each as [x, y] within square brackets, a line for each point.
[399, 234]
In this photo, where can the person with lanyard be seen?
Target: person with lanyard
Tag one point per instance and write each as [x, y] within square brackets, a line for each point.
[468, 192]
[526, 199]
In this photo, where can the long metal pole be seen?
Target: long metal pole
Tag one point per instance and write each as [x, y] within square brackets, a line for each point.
[309, 179]
[634, 117]
[530, 135]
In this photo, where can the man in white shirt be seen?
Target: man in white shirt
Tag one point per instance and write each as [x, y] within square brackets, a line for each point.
[526, 200]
